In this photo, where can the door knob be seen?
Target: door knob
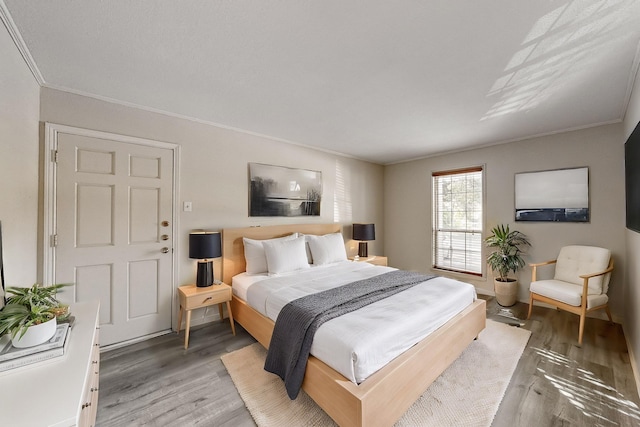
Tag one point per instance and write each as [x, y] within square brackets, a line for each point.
[164, 250]
[165, 223]
[164, 237]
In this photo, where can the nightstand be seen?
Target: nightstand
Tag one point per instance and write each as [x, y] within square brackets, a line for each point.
[372, 259]
[192, 297]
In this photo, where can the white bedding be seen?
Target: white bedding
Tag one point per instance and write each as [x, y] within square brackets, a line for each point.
[359, 343]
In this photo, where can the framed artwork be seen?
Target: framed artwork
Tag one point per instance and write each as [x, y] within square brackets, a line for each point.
[560, 195]
[281, 191]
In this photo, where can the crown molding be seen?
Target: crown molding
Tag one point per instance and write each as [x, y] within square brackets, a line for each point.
[508, 141]
[197, 120]
[5, 17]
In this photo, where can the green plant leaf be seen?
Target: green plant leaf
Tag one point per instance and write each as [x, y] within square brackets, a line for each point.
[29, 306]
[507, 255]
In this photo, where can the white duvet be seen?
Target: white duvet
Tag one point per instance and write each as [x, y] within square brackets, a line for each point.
[359, 343]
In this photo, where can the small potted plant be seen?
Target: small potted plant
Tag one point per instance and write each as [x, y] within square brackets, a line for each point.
[30, 314]
[506, 257]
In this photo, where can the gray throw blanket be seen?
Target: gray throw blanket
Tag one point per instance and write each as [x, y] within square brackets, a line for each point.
[299, 320]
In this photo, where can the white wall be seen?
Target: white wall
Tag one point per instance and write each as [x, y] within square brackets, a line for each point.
[214, 171]
[408, 201]
[632, 276]
[19, 153]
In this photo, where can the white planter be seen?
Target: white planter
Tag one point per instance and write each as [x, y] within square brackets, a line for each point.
[35, 335]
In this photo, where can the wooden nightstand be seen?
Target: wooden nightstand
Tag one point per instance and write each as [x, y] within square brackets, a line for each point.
[192, 297]
[373, 259]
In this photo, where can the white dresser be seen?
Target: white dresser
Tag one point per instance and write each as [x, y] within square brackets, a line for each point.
[62, 391]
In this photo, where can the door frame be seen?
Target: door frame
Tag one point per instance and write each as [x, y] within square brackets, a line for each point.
[50, 194]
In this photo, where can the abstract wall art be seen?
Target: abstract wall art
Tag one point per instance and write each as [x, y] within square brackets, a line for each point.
[282, 191]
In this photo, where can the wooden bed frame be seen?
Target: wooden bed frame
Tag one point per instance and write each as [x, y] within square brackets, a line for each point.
[387, 394]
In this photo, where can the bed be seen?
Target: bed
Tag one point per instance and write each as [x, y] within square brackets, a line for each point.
[386, 394]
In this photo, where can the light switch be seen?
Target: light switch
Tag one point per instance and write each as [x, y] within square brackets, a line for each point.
[187, 206]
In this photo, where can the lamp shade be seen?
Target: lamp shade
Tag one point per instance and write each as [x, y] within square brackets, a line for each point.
[205, 245]
[364, 232]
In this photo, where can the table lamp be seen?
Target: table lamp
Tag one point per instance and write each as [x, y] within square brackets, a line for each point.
[204, 246]
[364, 232]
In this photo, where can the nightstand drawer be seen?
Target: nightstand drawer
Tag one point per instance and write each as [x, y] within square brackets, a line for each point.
[195, 297]
[373, 259]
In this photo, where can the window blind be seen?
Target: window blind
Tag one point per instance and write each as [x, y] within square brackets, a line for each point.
[457, 220]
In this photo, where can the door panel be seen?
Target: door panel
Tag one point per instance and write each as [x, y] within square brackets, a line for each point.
[112, 198]
[143, 280]
[94, 215]
[143, 204]
[94, 282]
[96, 162]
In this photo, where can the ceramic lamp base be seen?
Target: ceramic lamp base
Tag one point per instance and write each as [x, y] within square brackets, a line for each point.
[205, 274]
[363, 250]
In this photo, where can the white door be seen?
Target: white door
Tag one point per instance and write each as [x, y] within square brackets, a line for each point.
[114, 230]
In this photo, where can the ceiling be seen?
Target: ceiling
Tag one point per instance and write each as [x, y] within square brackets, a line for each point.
[383, 81]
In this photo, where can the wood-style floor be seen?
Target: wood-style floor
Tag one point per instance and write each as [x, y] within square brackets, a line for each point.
[556, 383]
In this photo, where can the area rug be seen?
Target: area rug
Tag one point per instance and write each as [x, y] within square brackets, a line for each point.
[467, 393]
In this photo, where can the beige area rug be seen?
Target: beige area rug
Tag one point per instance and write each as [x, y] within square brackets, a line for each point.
[468, 393]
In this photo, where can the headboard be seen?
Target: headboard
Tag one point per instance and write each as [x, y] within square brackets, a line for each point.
[233, 249]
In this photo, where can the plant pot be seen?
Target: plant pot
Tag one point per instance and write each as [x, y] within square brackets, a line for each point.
[506, 292]
[35, 335]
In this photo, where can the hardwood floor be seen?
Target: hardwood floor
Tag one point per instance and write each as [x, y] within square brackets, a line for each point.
[557, 383]
[159, 383]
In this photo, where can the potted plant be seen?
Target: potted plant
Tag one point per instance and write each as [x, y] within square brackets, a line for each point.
[30, 314]
[506, 257]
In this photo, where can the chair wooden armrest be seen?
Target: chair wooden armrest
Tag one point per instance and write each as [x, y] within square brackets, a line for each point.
[586, 277]
[534, 267]
[553, 261]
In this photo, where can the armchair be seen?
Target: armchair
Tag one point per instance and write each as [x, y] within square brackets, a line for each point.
[580, 283]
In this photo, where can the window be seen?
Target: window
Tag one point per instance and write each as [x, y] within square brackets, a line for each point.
[457, 220]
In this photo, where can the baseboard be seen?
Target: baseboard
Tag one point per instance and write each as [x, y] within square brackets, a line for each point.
[206, 318]
[133, 341]
[201, 321]
[202, 316]
[632, 359]
[482, 291]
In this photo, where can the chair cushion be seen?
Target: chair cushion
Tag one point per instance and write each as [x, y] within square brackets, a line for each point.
[566, 292]
[574, 261]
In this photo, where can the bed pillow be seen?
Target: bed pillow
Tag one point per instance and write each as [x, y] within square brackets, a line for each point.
[254, 253]
[327, 249]
[284, 256]
[306, 245]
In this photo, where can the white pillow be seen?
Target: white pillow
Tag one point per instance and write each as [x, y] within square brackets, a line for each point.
[308, 249]
[254, 253]
[284, 256]
[327, 249]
